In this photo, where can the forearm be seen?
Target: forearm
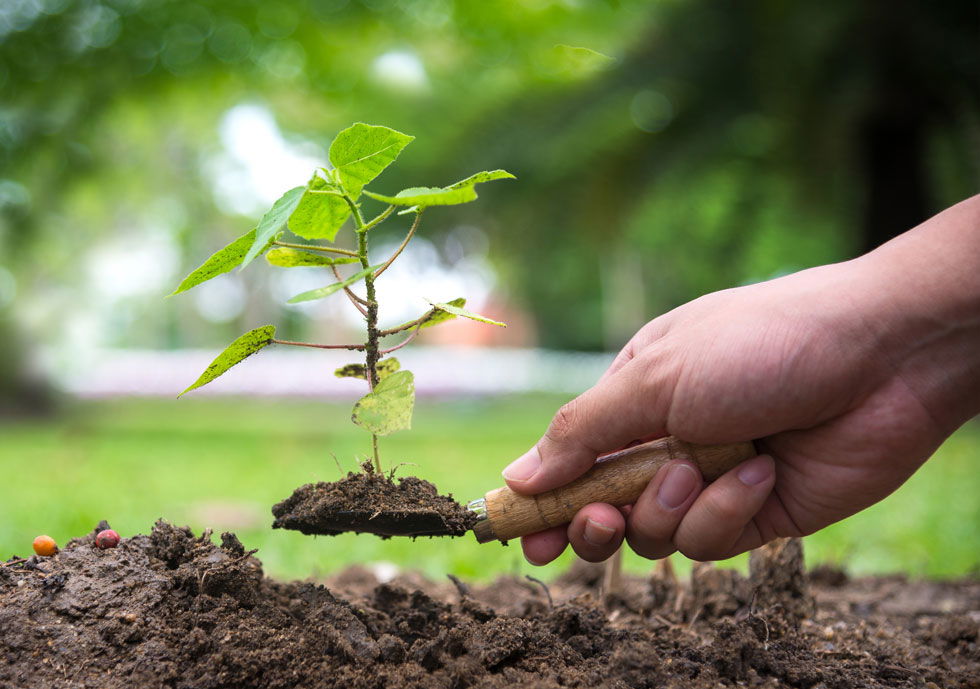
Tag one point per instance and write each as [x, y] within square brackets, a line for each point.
[923, 298]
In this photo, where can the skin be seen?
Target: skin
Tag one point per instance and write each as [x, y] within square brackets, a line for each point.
[847, 376]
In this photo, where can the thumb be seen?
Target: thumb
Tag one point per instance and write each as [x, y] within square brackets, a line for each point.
[628, 404]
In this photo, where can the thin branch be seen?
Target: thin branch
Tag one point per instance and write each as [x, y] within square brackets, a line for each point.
[411, 324]
[314, 247]
[354, 299]
[401, 344]
[340, 278]
[14, 561]
[358, 218]
[401, 247]
[352, 347]
[380, 219]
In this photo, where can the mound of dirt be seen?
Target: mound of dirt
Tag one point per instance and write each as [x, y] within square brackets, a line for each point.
[369, 502]
[173, 610]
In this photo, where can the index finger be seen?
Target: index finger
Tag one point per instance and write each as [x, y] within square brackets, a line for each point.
[631, 403]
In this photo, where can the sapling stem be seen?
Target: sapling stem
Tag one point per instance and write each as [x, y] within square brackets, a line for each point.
[371, 347]
[314, 247]
[352, 347]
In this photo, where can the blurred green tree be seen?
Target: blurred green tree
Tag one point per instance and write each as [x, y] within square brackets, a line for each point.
[716, 144]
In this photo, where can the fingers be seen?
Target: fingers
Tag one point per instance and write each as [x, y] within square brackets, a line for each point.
[674, 512]
[544, 546]
[628, 404]
[596, 532]
[719, 524]
[661, 507]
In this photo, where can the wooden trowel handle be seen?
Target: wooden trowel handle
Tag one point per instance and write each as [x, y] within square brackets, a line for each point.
[616, 479]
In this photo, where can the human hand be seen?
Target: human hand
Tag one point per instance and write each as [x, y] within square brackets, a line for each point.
[839, 373]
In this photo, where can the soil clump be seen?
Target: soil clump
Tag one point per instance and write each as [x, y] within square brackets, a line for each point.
[171, 610]
[371, 502]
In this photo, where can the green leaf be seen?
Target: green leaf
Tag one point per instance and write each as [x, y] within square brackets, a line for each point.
[284, 257]
[462, 191]
[385, 368]
[242, 348]
[362, 151]
[320, 212]
[481, 177]
[221, 261]
[437, 316]
[428, 196]
[273, 222]
[321, 292]
[457, 311]
[388, 408]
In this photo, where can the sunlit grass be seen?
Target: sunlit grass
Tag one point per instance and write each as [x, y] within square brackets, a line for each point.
[223, 463]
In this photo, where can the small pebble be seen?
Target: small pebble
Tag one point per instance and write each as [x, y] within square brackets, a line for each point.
[106, 539]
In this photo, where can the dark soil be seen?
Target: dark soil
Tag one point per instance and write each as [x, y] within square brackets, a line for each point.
[172, 610]
[369, 502]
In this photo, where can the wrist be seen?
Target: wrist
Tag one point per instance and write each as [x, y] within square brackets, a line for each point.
[921, 293]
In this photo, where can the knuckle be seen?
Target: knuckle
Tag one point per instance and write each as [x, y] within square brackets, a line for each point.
[658, 370]
[563, 424]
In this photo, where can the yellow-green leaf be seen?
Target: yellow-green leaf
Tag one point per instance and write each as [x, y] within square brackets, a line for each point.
[388, 408]
[462, 191]
[320, 213]
[273, 222]
[321, 292]
[221, 261]
[239, 350]
[458, 311]
[362, 152]
[284, 257]
[435, 316]
[428, 196]
[481, 177]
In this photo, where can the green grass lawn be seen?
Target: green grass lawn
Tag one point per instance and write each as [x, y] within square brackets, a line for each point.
[222, 464]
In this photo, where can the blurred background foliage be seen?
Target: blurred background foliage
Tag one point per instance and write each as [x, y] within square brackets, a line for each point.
[663, 149]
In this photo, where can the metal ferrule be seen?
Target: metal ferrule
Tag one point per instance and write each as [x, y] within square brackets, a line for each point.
[478, 507]
[482, 529]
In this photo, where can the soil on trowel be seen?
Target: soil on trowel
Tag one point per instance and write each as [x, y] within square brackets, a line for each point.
[371, 502]
[171, 610]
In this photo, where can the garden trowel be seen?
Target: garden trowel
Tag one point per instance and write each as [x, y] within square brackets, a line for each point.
[616, 479]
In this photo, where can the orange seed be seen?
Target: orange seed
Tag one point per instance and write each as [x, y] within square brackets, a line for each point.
[45, 546]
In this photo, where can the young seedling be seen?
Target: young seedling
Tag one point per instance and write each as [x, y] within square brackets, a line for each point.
[318, 211]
